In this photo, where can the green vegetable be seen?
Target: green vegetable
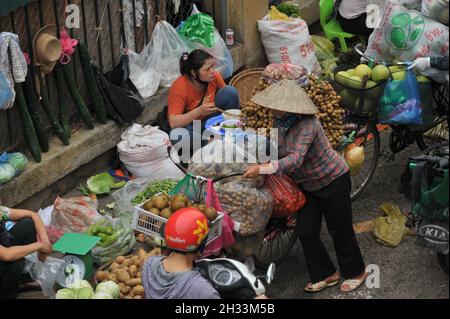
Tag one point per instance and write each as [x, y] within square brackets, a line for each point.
[7, 173]
[80, 284]
[291, 10]
[162, 186]
[66, 293]
[97, 98]
[34, 107]
[82, 109]
[28, 129]
[85, 293]
[103, 183]
[63, 110]
[109, 287]
[51, 116]
[18, 161]
[102, 295]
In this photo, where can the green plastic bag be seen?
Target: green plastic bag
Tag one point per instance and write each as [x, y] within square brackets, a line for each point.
[199, 27]
[390, 229]
[188, 186]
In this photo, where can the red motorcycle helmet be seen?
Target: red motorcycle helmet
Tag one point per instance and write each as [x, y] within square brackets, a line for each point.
[186, 230]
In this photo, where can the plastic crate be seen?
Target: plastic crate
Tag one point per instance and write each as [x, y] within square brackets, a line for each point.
[153, 226]
[362, 101]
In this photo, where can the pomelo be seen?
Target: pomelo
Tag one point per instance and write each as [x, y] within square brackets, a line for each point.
[367, 106]
[351, 71]
[342, 78]
[354, 82]
[380, 73]
[422, 78]
[362, 71]
[399, 75]
[347, 98]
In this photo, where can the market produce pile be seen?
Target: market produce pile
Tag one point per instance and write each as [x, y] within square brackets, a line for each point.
[163, 186]
[125, 271]
[330, 112]
[82, 289]
[11, 165]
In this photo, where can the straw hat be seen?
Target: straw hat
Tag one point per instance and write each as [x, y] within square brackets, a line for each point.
[46, 48]
[285, 96]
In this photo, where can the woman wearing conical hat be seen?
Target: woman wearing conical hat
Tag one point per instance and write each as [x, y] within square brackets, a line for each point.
[308, 158]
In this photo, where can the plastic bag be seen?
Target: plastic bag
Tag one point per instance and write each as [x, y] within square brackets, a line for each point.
[390, 229]
[287, 197]
[276, 72]
[400, 103]
[226, 239]
[354, 156]
[188, 186]
[289, 42]
[76, 214]
[6, 93]
[325, 54]
[7, 173]
[406, 35]
[248, 206]
[158, 64]
[44, 272]
[122, 245]
[436, 10]
[144, 151]
[199, 27]
[222, 56]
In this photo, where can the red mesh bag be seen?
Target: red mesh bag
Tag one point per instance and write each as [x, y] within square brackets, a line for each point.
[287, 197]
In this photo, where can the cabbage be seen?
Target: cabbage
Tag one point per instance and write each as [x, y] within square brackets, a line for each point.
[85, 293]
[7, 173]
[102, 295]
[18, 161]
[66, 293]
[102, 183]
[80, 284]
[109, 287]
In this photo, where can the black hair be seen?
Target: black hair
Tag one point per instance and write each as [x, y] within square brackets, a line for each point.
[193, 62]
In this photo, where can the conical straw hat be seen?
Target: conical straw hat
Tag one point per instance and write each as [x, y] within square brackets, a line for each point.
[286, 96]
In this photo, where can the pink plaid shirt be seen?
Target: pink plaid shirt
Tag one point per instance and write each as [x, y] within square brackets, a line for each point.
[307, 156]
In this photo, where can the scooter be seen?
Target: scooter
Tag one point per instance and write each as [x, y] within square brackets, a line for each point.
[232, 279]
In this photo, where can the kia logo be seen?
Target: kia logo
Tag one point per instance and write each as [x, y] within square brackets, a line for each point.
[435, 231]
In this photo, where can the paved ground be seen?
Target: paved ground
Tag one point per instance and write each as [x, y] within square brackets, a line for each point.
[407, 271]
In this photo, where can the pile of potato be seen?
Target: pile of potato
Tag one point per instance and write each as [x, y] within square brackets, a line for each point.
[330, 113]
[126, 272]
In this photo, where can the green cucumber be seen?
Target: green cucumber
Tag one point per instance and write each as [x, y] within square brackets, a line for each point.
[97, 99]
[82, 109]
[34, 107]
[63, 110]
[28, 129]
[51, 116]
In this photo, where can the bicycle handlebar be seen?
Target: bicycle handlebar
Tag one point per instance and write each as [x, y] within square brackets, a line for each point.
[358, 48]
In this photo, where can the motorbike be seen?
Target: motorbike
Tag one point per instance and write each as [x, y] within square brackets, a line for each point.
[428, 183]
[233, 279]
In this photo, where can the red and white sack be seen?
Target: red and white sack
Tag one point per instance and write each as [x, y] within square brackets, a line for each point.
[289, 42]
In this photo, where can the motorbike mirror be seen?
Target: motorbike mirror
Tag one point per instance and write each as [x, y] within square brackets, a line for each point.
[270, 273]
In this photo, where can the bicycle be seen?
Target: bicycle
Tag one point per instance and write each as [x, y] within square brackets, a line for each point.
[363, 124]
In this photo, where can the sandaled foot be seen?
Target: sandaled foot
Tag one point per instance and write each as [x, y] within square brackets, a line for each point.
[321, 285]
[353, 284]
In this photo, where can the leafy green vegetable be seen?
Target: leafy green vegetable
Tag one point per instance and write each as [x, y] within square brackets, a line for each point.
[289, 9]
[66, 293]
[108, 287]
[102, 184]
[18, 161]
[7, 173]
[102, 295]
[85, 293]
[162, 186]
[80, 284]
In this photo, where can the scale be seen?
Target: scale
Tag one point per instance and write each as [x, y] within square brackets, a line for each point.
[78, 262]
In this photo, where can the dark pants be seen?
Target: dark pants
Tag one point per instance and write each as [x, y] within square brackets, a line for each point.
[355, 26]
[24, 233]
[333, 202]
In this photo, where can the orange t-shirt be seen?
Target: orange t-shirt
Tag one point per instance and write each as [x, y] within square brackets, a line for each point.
[184, 97]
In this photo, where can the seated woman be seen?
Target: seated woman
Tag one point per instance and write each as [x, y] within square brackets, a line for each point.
[352, 17]
[22, 232]
[197, 93]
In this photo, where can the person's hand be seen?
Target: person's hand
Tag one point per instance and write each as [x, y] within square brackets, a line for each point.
[42, 256]
[46, 248]
[207, 109]
[261, 297]
[252, 171]
[420, 64]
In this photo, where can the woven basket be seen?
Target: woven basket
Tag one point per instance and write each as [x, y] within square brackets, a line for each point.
[245, 82]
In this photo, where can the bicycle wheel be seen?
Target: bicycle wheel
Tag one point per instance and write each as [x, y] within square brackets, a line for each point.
[369, 137]
[279, 239]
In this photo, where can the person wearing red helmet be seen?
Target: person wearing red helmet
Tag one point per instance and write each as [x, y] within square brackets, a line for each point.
[174, 277]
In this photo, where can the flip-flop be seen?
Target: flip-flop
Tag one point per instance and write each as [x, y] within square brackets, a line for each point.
[353, 283]
[321, 285]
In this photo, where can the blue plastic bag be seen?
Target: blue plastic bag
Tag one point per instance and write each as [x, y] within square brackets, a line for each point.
[400, 103]
[6, 93]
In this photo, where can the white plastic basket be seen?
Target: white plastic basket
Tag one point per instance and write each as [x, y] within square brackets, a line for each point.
[153, 225]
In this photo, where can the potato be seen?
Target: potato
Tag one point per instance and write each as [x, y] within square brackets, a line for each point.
[139, 275]
[138, 297]
[102, 275]
[113, 277]
[114, 265]
[121, 296]
[123, 276]
[120, 259]
[133, 271]
[133, 282]
[128, 262]
[138, 290]
[125, 290]
[128, 297]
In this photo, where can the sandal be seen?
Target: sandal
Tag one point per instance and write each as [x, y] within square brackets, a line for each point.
[353, 284]
[321, 285]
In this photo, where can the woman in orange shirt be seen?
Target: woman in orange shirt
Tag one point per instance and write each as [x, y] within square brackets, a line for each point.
[197, 93]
